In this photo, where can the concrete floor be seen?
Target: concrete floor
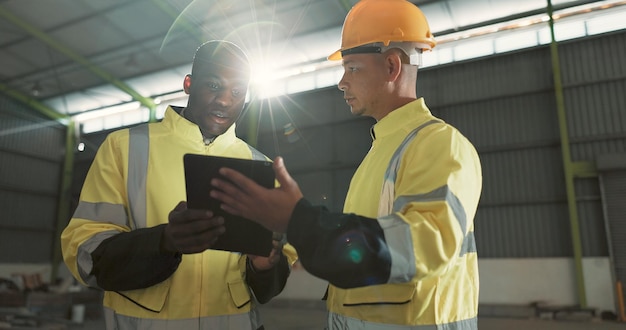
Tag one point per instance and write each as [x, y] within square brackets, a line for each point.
[279, 315]
[298, 323]
[286, 315]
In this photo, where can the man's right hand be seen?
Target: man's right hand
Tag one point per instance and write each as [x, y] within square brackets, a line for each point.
[191, 231]
[272, 208]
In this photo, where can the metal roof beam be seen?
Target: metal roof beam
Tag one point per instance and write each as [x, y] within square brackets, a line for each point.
[42, 108]
[77, 58]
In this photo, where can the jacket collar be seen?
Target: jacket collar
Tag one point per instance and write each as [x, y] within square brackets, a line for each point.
[174, 121]
[407, 116]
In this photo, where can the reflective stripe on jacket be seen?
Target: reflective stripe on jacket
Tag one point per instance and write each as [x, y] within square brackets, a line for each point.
[337, 321]
[421, 180]
[136, 179]
[223, 322]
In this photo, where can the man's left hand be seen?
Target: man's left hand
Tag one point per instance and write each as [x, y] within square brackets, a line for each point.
[264, 263]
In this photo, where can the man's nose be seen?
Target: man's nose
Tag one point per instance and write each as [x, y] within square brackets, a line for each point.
[224, 98]
[342, 83]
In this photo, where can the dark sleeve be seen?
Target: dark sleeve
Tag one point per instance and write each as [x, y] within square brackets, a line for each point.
[345, 249]
[133, 260]
[268, 283]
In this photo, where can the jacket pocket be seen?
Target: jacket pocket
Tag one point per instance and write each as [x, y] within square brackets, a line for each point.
[239, 293]
[152, 298]
[392, 294]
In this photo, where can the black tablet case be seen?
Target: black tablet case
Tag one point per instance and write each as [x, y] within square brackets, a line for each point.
[241, 235]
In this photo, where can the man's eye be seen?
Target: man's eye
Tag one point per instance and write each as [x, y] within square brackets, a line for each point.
[237, 92]
[213, 86]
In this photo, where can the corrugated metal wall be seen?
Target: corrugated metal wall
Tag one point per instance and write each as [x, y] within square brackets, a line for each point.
[612, 169]
[31, 159]
[506, 105]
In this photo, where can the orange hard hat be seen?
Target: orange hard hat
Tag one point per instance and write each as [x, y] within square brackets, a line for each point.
[384, 21]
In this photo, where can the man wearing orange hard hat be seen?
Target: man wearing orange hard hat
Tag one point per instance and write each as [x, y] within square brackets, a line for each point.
[402, 254]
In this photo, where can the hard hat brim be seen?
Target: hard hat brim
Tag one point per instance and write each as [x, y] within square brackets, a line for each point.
[336, 56]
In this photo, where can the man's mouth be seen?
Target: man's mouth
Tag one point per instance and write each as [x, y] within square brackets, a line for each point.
[219, 117]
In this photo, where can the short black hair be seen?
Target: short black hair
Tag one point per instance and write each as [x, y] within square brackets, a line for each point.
[215, 51]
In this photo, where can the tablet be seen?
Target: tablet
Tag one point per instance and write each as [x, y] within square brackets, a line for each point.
[241, 235]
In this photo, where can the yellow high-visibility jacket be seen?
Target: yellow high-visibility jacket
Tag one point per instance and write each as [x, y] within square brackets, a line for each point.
[135, 180]
[403, 251]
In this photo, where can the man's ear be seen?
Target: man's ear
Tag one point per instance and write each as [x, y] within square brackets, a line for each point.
[187, 83]
[393, 62]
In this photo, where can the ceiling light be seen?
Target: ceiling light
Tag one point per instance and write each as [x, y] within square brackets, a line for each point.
[36, 89]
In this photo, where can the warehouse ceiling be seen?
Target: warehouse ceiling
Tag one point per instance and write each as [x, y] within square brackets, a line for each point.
[95, 53]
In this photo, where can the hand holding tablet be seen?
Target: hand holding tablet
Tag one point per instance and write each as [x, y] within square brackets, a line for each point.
[241, 235]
